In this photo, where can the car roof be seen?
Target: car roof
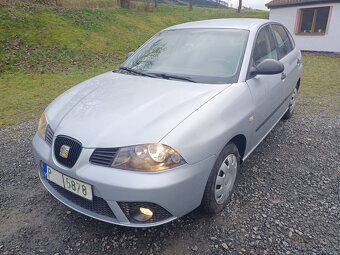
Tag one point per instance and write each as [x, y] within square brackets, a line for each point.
[248, 24]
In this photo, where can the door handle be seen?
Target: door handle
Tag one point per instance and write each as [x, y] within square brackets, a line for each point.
[298, 62]
[283, 76]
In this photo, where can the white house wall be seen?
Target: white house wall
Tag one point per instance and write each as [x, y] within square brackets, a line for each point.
[328, 42]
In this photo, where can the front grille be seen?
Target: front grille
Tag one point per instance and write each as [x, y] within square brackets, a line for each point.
[74, 151]
[159, 213]
[97, 205]
[103, 156]
[49, 135]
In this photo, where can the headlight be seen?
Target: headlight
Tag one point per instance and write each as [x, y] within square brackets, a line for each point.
[43, 122]
[147, 157]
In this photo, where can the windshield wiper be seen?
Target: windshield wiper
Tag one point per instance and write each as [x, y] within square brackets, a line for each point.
[132, 71]
[157, 75]
[174, 77]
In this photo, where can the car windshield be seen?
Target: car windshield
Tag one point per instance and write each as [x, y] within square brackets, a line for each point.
[198, 55]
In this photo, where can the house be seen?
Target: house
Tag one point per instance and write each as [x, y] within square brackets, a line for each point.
[314, 24]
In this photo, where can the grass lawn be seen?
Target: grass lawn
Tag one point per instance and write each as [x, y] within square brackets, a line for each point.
[320, 87]
[46, 50]
[41, 39]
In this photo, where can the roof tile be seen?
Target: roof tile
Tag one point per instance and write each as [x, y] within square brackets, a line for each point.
[285, 3]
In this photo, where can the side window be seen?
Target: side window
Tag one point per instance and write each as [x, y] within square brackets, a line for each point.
[264, 46]
[283, 40]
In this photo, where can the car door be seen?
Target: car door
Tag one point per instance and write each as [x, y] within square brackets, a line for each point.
[290, 57]
[266, 90]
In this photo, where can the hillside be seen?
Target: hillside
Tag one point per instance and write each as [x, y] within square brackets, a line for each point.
[41, 39]
[46, 50]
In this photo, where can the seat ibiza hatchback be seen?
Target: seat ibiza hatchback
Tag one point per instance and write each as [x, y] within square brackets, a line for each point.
[166, 132]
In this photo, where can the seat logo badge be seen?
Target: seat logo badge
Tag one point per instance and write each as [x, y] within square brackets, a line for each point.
[64, 150]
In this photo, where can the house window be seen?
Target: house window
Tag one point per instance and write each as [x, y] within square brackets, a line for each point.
[313, 20]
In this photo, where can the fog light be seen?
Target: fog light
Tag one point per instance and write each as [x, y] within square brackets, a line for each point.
[146, 211]
[142, 214]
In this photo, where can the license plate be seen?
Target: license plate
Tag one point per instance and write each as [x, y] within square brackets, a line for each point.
[77, 187]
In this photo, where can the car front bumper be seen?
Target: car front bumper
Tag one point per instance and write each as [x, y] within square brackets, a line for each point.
[171, 193]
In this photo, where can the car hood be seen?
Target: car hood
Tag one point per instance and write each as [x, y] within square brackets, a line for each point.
[113, 110]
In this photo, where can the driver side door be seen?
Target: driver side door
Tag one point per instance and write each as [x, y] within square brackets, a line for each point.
[267, 90]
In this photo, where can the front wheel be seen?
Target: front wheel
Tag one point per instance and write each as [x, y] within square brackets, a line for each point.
[291, 106]
[222, 180]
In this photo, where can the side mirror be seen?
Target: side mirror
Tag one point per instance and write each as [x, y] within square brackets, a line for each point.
[267, 66]
[129, 54]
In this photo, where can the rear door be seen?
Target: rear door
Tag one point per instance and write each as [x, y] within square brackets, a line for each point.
[266, 90]
[290, 57]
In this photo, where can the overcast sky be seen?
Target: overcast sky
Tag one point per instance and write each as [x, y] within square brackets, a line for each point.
[256, 4]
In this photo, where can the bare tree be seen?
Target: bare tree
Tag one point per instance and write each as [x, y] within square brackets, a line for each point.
[239, 5]
[190, 5]
[156, 3]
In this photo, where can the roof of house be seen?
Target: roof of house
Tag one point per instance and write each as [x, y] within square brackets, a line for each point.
[287, 3]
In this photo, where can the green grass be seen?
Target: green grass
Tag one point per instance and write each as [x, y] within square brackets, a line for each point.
[35, 38]
[99, 4]
[320, 87]
[46, 50]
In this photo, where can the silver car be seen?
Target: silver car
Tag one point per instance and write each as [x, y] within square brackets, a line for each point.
[167, 132]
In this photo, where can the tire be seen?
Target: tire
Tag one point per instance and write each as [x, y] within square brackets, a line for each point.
[291, 106]
[215, 198]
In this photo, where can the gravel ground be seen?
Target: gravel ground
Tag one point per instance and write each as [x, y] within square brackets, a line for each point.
[287, 202]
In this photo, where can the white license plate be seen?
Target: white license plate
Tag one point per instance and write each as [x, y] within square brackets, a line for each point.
[77, 187]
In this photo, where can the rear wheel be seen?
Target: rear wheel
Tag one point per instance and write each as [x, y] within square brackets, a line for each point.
[291, 106]
[222, 180]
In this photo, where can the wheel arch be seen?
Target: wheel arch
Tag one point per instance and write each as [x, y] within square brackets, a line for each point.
[241, 143]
